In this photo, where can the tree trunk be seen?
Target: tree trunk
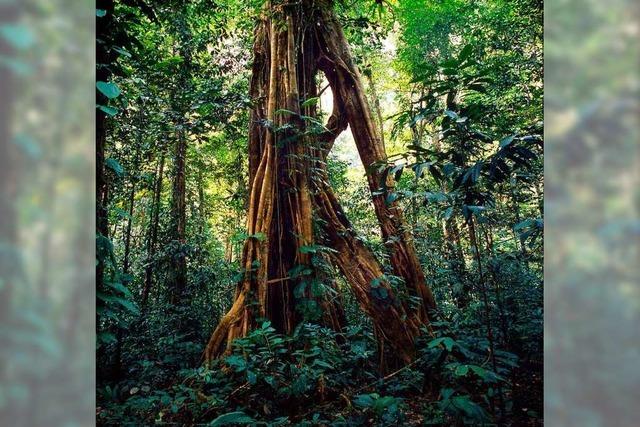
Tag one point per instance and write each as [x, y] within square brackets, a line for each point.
[279, 217]
[202, 220]
[103, 59]
[152, 238]
[336, 62]
[453, 251]
[285, 144]
[180, 105]
[126, 264]
[376, 103]
[179, 219]
[366, 277]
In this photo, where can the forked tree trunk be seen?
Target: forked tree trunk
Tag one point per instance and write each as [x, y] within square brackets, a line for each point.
[346, 83]
[289, 183]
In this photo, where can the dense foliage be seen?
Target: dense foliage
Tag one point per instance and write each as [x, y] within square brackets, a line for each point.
[457, 88]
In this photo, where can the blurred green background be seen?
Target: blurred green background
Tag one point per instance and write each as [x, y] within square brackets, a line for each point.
[592, 300]
[47, 256]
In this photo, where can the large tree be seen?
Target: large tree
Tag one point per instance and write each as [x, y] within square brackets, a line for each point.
[294, 44]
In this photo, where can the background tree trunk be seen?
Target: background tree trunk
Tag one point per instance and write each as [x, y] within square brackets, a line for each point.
[152, 238]
[103, 58]
[179, 218]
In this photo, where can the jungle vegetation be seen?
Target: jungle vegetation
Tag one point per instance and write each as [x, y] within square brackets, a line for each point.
[319, 212]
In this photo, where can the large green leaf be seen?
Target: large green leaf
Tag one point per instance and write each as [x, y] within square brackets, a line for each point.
[119, 287]
[310, 102]
[446, 341]
[465, 53]
[108, 89]
[115, 166]
[462, 370]
[108, 110]
[232, 418]
[128, 304]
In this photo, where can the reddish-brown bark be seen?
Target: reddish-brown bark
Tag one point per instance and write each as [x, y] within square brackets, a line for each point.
[289, 183]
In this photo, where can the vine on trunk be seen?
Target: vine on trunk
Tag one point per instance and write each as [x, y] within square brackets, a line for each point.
[293, 44]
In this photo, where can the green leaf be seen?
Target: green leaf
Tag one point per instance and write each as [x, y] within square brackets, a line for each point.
[419, 169]
[322, 364]
[311, 249]
[174, 60]
[108, 110]
[285, 111]
[300, 270]
[391, 197]
[469, 407]
[106, 338]
[365, 400]
[465, 53]
[310, 102]
[119, 287]
[474, 172]
[251, 377]
[237, 362]
[446, 341]
[381, 293]
[375, 283]
[506, 141]
[110, 90]
[115, 166]
[122, 51]
[451, 114]
[396, 171]
[129, 305]
[448, 212]
[446, 393]
[462, 370]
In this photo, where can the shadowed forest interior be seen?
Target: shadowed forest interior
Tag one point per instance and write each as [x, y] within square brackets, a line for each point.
[319, 212]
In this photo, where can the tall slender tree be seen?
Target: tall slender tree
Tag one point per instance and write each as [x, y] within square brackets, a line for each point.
[179, 103]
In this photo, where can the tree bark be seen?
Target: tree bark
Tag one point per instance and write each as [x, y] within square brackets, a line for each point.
[103, 59]
[179, 218]
[336, 62]
[279, 218]
[126, 264]
[180, 105]
[376, 103]
[152, 238]
[292, 43]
